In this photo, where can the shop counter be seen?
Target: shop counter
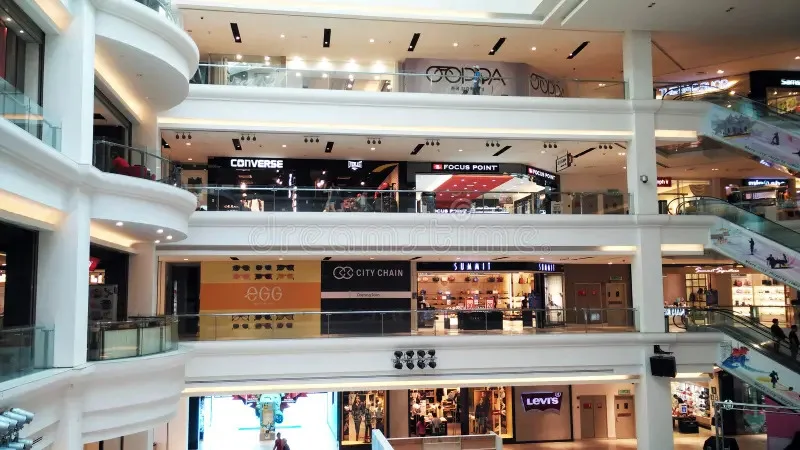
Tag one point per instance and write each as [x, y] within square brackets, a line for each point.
[480, 320]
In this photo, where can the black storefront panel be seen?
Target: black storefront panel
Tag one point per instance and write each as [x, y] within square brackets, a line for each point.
[489, 266]
[356, 286]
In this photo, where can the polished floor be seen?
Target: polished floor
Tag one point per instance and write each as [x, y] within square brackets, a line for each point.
[682, 442]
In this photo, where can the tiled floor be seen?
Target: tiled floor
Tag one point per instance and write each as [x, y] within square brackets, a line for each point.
[682, 442]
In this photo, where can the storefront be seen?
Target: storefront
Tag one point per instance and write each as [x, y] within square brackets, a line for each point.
[778, 89]
[18, 257]
[476, 187]
[746, 291]
[489, 295]
[360, 413]
[440, 409]
[692, 406]
[352, 185]
[671, 192]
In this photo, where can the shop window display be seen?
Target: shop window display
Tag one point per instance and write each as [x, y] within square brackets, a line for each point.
[439, 408]
[768, 296]
[362, 412]
[491, 410]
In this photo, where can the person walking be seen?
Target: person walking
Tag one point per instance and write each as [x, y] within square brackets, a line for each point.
[420, 426]
[477, 79]
[777, 335]
[752, 246]
[794, 342]
[285, 444]
[278, 442]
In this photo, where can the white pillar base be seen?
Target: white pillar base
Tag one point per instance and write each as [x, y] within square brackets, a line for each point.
[178, 427]
[653, 412]
[142, 274]
[647, 284]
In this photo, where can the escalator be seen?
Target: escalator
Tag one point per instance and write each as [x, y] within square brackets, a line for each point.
[749, 353]
[750, 239]
[754, 127]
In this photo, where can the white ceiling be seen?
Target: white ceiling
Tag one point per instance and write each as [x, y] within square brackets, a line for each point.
[710, 163]
[677, 56]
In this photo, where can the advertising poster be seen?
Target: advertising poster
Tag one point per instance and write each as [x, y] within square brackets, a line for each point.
[758, 370]
[260, 291]
[758, 252]
[759, 138]
[103, 302]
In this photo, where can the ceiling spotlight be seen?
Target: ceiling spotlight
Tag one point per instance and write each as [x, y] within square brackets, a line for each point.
[119, 224]
[437, 142]
[242, 137]
[247, 138]
[410, 365]
[421, 364]
[487, 143]
[427, 142]
[421, 353]
[432, 364]
[317, 140]
[183, 136]
[157, 241]
[431, 352]
[305, 140]
[254, 138]
[410, 353]
[398, 365]
[190, 136]
[379, 141]
[177, 136]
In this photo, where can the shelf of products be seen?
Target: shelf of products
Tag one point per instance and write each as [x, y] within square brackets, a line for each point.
[695, 398]
[475, 290]
[768, 295]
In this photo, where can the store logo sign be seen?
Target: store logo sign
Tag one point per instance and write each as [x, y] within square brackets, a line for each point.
[785, 82]
[347, 273]
[540, 173]
[699, 269]
[475, 168]
[664, 182]
[343, 272]
[766, 182]
[472, 266]
[355, 165]
[250, 163]
[547, 267]
[542, 401]
[674, 312]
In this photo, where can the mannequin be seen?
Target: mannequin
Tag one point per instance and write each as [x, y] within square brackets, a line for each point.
[378, 415]
[357, 410]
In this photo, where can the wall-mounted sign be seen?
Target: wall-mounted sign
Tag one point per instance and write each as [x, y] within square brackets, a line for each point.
[615, 278]
[489, 266]
[465, 168]
[459, 75]
[359, 277]
[256, 163]
[563, 162]
[789, 82]
[674, 311]
[696, 88]
[699, 269]
[664, 182]
[355, 165]
[765, 182]
[624, 392]
[542, 401]
[536, 172]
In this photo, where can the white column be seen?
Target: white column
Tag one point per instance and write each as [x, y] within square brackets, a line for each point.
[69, 81]
[178, 427]
[637, 64]
[647, 285]
[142, 280]
[160, 436]
[62, 285]
[641, 164]
[138, 441]
[653, 411]
[69, 429]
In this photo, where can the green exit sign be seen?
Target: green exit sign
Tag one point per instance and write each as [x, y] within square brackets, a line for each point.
[615, 278]
[624, 392]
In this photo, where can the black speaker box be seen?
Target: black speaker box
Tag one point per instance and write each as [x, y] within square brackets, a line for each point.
[663, 366]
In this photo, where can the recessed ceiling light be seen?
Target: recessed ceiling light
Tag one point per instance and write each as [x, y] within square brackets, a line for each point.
[284, 145]
[297, 74]
[169, 238]
[376, 77]
[797, 57]
[324, 75]
[602, 85]
[157, 241]
[238, 57]
[544, 151]
[714, 170]
[190, 159]
[720, 71]
[21, 31]
[266, 58]
[159, 231]
[119, 224]
[371, 257]
[371, 41]
[461, 150]
[283, 36]
[8, 19]
[610, 263]
[280, 259]
[185, 259]
[533, 48]
[541, 258]
[372, 149]
[455, 44]
[188, 144]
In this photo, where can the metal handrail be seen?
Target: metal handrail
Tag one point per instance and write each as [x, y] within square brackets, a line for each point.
[434, 311]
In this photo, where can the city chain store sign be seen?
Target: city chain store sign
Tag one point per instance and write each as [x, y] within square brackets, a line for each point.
[542, 401]
[366, 279]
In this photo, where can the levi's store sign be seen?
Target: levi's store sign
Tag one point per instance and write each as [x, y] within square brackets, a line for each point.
[256, 163]
[465, 168]
[542, 401]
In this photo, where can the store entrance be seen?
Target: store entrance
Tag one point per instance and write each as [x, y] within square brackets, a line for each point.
[253, 422]
[437, 410]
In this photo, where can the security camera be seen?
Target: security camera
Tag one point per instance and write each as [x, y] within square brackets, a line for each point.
[644, 178]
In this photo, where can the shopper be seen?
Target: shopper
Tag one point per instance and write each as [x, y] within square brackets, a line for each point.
[752, 246]
[285, 445]
[477, 79]
[777, 335]
[279, 443]
[794, 342]
[436, 425]
[420, 426]
[482, 410]
[357, 410]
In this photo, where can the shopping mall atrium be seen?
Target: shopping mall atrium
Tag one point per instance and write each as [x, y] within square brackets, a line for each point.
[385, 224]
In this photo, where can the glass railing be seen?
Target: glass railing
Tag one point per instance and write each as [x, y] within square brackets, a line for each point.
[717, 207]
[275, 199]
[133, 162]
[437, 80]
[139, 336]
[429, 322]
[23, 112]
[163, 8]
[25, 350]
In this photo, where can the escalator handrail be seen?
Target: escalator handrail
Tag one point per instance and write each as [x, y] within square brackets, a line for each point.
[782, 356]
[681, 210]
[789, 116]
